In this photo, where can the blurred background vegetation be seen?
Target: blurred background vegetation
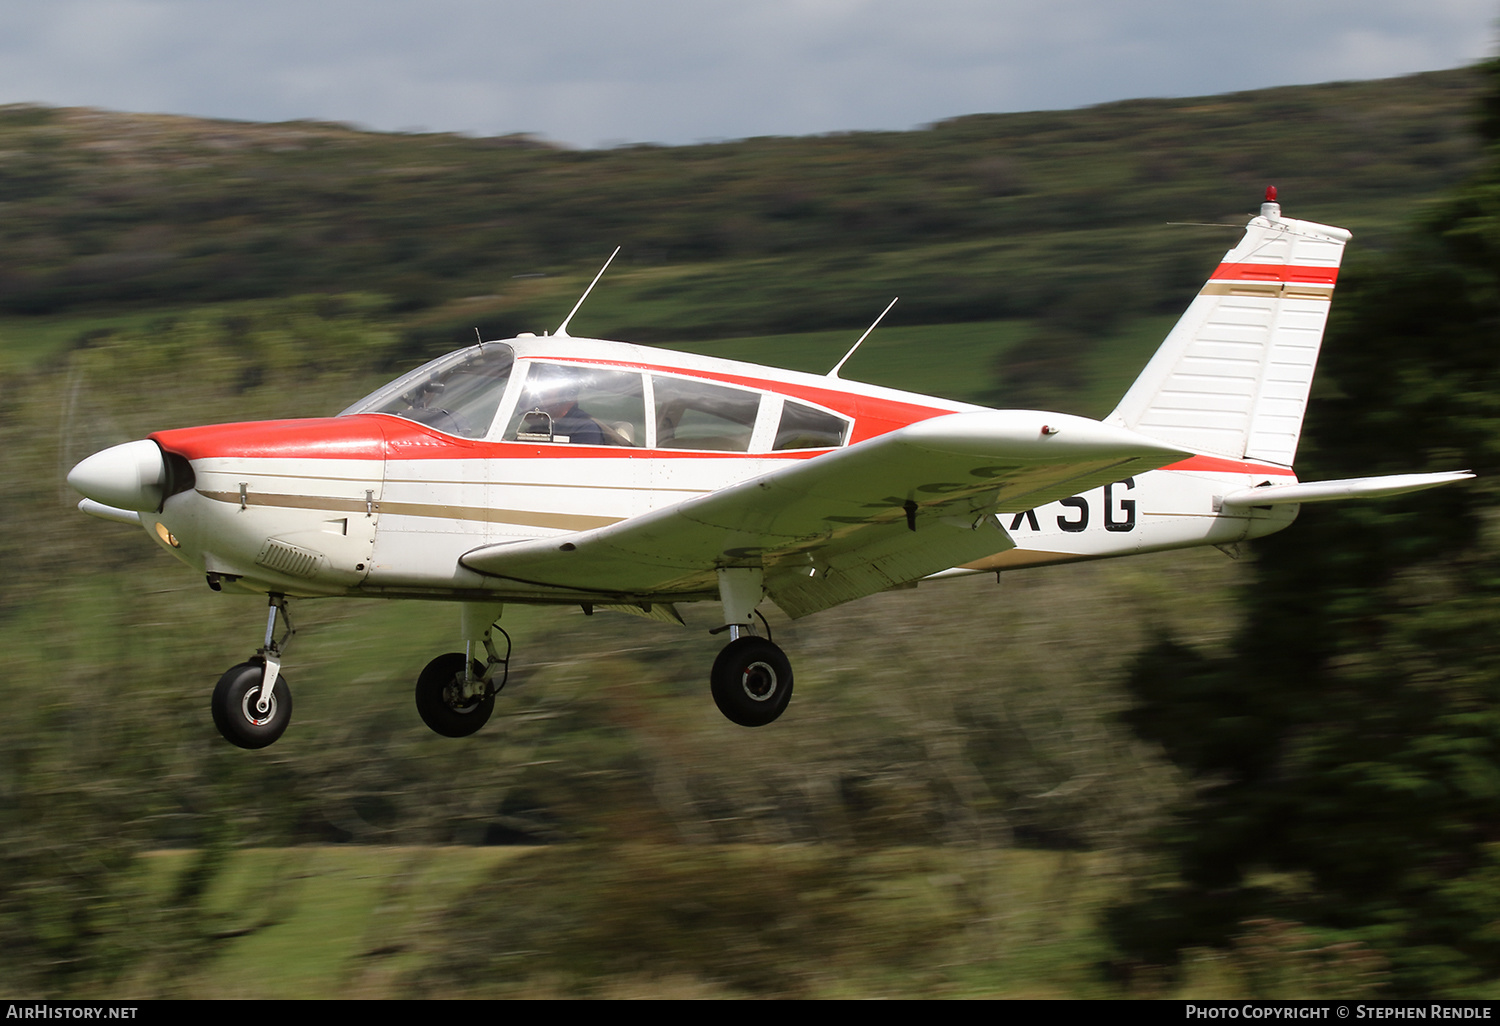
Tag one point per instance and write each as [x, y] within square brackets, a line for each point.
[1178, 774]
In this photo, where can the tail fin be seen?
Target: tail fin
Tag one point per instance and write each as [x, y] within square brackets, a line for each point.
[1231, 379]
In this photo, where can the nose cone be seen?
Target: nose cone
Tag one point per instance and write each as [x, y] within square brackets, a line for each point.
[129, 476]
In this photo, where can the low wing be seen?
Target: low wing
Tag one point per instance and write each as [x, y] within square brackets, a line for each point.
[836, 527]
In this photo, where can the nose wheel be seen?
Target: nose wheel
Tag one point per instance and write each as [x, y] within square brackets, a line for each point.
[241, 716]
[252, 703]
[752, 681]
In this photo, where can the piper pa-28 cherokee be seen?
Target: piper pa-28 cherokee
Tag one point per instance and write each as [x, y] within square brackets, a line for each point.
[575, 471]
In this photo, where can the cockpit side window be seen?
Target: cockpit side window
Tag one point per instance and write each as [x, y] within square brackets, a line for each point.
[458, 394]
[697, 415]
[806, 427]
[578, 405]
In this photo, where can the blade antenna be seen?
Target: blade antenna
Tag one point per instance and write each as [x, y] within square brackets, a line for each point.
[562, 329]
[835, 372]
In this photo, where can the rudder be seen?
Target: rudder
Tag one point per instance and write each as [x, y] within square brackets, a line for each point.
[1232, 377]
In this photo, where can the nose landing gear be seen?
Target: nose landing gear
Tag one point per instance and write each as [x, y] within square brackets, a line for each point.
[252, 703]
[242, 718]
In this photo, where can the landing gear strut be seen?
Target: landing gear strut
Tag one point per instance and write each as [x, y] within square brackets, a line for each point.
[456, 693]
[752, 677]
[252, 703]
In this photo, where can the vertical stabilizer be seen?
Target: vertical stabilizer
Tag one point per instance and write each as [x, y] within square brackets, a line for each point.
[1232, 377]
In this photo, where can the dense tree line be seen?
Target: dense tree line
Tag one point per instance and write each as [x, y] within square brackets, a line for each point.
[1346, 750]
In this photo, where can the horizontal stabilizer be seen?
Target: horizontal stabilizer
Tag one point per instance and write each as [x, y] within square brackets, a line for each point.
[1329, 491]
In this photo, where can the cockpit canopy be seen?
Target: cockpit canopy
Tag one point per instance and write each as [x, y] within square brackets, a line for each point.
[577, 403]
[458, 394]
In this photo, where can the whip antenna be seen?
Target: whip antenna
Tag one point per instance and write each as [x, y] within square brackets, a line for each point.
[562, 329]
[835, 372]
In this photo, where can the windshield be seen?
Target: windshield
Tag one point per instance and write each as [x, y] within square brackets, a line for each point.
[457, 394]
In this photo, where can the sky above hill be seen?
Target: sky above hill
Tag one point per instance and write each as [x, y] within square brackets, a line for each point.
[605, 72]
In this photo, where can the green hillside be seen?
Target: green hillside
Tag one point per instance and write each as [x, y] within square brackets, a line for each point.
[973, 218]
[953, 798]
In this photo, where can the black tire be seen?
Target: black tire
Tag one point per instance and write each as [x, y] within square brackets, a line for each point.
[752, 681]
[437, 701]
[234, 701]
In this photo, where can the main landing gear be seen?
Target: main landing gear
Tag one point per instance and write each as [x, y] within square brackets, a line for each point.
[752, 681]
[252, 703]
[456, 693]
[752, 677]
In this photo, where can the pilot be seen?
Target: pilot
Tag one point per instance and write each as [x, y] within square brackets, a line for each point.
[560, 402]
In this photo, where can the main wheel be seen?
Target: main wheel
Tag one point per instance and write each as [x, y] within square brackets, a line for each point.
[235, 705]
[440, 700]
[752, 681]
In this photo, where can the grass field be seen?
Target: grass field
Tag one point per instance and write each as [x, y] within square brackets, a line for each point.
[610, 921]
[26, 341]
[850, 915]
[352, 922]
[955, 361]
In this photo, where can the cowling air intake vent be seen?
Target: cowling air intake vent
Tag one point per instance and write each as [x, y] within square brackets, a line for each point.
[178, 477]
[288, 559]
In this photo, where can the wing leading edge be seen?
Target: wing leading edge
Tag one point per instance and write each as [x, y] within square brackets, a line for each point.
[881, 513]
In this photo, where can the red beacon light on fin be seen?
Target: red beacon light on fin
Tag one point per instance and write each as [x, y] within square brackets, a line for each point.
[1270, 209]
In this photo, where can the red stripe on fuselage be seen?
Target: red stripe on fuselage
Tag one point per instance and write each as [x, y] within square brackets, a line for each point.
[1290, 273]
[381, 436]
[377, 436]
[1220, 465]
[335, 438]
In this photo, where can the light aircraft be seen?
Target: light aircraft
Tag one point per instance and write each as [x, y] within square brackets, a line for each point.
[576, 471]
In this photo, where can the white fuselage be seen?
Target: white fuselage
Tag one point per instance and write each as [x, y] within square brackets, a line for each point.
[375, 504]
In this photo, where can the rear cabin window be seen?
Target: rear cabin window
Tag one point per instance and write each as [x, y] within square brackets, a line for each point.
[806, 427]
[697, 415]
[574, 405]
